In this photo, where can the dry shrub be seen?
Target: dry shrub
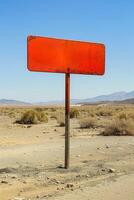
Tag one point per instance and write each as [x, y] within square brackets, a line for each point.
[32, 117]
[53, 116]
[119, 127]
[60, 119]
[104, 112]
[126, 115]
[74, 113]
[53, 109]
[103, 122]
[131, 115]
[61, 123]
[92, 114]
[89, 122]
[39, 109]
[123, 115]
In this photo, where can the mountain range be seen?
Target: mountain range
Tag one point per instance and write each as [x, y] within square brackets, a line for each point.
[114, 97]
[13, 102]
[117, 96]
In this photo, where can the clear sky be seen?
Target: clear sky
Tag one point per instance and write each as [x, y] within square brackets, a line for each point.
[109, 22]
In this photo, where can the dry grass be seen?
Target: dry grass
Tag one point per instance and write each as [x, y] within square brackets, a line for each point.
[110, 117]
[60, 119]
[119, 127]
[89, 122]
[104, 112]
[32, 117]
[126, 115]
[74, 113]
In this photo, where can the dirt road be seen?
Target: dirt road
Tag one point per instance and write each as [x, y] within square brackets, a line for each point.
[31, 165]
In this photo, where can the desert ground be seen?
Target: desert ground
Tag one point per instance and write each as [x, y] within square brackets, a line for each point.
[101, 166]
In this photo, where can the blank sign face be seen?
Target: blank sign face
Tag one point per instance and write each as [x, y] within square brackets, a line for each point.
[65, 56]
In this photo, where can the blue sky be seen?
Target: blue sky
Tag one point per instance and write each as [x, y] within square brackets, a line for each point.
[109, 22]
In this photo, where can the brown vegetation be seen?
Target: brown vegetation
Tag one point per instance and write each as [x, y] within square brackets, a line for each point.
[32, 117]
[60, 119]
[109, 118]
[89, 122]
[119, 127]
[74, 113]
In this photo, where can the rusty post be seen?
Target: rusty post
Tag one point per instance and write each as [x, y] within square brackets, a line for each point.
[67, 120]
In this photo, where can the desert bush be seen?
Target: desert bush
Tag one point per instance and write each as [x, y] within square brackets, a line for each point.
[53, 116]
[131, 115]
[60, 119]
[126, 115]
[92, 114]
[11, 114]
[32, 117]
[104, 112]
[123, 115]
[53, 109]
[61, 123]
[39, 109]
[119, 127]
[89, 122]
[74, 113]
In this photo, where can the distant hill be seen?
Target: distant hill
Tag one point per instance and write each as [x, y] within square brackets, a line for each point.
[13, 102]
[114, 97]
[118, 96]
[58, 102]
[127, 101]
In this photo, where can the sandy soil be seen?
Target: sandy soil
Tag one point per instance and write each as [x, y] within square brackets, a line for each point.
[32, 157]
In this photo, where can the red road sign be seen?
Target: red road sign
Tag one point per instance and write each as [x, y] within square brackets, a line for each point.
[65, 56]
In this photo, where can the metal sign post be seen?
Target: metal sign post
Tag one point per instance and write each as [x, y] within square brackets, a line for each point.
[67, 120]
